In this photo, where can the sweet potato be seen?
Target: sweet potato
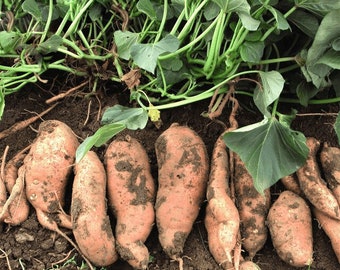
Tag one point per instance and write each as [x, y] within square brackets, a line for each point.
[182, 177]
[290, 226]
[131, 194]
[249, 265]
[330, 162]
[46, 170]
[90, 222]
[291, 183]
[18, 208]
[331, 227]
[253, 208]
[313, 186]
[222, 219]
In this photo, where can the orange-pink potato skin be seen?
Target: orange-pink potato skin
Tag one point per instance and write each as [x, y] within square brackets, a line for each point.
[290, 225]
[131, 193]
[91, 224]
[47, 168]
[182, 179]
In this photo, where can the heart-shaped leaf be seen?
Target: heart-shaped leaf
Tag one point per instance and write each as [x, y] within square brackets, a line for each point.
[269, 149]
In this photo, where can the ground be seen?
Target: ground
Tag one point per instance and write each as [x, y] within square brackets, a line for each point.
[29, 246]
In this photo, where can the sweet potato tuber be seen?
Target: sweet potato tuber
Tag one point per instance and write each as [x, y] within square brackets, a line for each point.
[253, 208]
[131, 194]
[46, 170]
[222, 220]
[290, 226]
[291, 183]
[313, 186]
[182, 177]
[18, 208]
[331, 227]
[91, 224]
[330, 162]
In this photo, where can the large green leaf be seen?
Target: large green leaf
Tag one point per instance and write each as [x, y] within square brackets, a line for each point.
[269, 149]
[32, 7]
[272, 86]
[146, 55]
[52, 44]
[328, 31]
[147, 8]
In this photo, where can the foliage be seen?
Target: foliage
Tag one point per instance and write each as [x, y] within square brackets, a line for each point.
[185, 51]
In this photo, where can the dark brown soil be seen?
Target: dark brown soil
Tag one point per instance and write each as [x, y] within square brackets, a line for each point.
[29, 246]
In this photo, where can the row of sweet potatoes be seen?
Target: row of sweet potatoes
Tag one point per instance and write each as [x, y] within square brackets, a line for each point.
[237, 216]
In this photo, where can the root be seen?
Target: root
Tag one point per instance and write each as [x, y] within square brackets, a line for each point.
[23, 124]
[7, 260]
[65, 94]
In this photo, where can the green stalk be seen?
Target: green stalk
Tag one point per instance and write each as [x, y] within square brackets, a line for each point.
[189, 45]
[73, 26]
[191, 20]
[161, 27]
[48, 21]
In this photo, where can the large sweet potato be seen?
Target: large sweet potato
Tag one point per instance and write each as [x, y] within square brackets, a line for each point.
[290, 226]
[91, 224]
[131, 193]
[47, 167]
[182, 177]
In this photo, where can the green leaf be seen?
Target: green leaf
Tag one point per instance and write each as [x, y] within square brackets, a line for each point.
[50, 45]
[252, 52]
[269, 149]
[146, 55]
[132, 118]
[242, 8]
[306, 22]
[272, 86]
[320, 7]
[337, 127]
[124, 41]
[147, 8]
[305, 91]
[287, 119]
[8, 41]
[328, 31]
[32, 7]
[102, 135]
[331, 58]
[281, 21]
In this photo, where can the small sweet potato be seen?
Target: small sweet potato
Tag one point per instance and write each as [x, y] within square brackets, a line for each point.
[330, 162]
[18, 208]
[331, 227]
[290, 225]
[131, 194]
[182, 177]
[253, 208]
[313, 186]
[291, 183]
[91, 224]
[222, 219]
[47, 167]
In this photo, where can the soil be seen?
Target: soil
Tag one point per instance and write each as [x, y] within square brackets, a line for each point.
[29, 246]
